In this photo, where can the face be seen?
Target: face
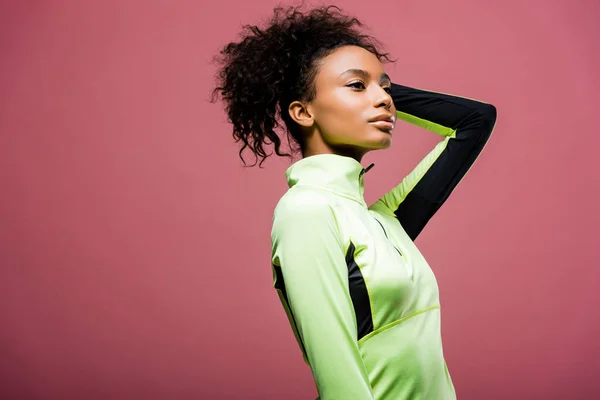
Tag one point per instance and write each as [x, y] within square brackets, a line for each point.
[352, 90]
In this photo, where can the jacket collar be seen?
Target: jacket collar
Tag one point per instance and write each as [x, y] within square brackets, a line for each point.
[339, 174]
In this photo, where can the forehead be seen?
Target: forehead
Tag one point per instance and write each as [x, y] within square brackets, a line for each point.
[349, 57]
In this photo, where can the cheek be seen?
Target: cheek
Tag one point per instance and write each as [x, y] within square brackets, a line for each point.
[342, 115]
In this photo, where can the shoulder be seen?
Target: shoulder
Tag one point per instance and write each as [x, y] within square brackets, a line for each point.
[304, 202]
[305, 210]
[307, 216]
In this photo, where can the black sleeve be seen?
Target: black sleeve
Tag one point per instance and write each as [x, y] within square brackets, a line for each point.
[466, 125]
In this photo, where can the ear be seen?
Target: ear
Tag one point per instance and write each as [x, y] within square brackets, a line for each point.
[301, 114]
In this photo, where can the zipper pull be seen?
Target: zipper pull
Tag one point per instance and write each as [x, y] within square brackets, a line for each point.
[365, 170]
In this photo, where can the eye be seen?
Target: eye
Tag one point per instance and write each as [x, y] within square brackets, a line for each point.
[356, 85]
[388, 89]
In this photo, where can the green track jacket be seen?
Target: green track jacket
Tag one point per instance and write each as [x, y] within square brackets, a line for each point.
[360, 297]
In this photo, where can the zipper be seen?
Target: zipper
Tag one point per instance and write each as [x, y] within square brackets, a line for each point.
[406, 261]
[364, 171]
[385, 233]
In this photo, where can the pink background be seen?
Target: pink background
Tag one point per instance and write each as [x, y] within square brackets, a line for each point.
[135, 249]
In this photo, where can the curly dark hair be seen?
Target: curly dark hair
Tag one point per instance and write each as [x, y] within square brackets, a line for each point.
[266, 71]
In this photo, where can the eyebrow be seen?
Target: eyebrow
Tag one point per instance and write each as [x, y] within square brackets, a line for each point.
[365, 75]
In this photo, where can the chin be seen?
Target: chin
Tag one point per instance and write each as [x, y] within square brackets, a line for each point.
[382, 142]
[379, 141]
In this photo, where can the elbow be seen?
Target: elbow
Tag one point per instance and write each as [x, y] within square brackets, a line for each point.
[481, 121]
[488, 115]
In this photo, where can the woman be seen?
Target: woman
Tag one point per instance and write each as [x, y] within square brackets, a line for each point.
[361, 299]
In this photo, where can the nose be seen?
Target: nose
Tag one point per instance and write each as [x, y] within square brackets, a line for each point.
[383, 99]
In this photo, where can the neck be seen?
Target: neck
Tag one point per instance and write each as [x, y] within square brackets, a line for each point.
[315, 145]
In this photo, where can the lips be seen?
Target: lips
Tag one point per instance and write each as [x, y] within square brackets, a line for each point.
[384, 121]
[383, 117]
[383, 124]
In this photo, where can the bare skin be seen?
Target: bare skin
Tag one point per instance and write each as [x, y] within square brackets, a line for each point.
[339, 119]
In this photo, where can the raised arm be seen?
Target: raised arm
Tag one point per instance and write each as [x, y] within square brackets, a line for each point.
[311, 278]
[466, 125]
